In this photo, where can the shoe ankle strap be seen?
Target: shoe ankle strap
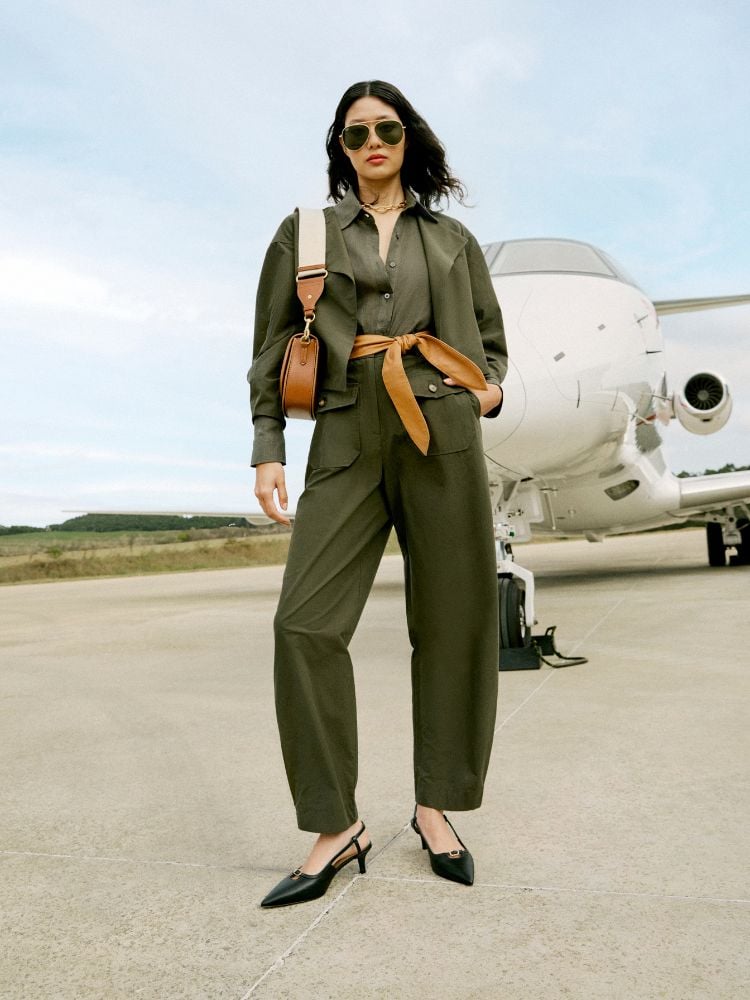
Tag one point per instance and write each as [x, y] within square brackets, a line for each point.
[355, 839]
[352, 840]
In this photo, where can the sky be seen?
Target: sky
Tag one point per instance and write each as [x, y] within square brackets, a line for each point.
[149, 150]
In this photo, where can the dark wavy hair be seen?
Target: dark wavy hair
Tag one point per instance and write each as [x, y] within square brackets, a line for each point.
[425, 170]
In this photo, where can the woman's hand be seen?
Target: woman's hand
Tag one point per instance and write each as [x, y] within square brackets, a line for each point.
[269, 476]
[488, 398]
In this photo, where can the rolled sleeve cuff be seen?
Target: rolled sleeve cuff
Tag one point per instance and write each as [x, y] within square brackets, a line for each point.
[494, 412]
[268, 441]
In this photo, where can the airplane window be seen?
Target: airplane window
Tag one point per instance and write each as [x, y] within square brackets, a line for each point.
[567, 256]
[490, 254]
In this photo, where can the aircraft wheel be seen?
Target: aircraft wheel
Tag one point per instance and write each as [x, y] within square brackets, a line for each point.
[513, 631]
[717, 553]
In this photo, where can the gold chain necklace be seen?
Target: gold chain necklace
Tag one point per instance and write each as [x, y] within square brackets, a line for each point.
[383, 208]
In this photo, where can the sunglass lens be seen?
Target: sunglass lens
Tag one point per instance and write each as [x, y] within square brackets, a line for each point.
[390, 132]
[355, 136]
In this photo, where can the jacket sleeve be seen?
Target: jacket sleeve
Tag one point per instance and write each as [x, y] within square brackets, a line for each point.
[278, 314]
[489, 317]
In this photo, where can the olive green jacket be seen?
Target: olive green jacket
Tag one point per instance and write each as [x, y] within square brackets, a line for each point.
[465, 311]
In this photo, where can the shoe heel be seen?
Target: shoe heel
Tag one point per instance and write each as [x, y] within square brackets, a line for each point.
[361, 860]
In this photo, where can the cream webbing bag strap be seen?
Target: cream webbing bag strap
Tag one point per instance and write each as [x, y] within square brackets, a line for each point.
[299, 369]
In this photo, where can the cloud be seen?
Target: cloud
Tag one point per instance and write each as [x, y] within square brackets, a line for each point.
[53, 285]
[97, 261]
[476, 64]
[167, 492]
[36, 450]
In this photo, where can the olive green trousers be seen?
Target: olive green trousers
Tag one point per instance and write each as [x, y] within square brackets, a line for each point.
[364, 475]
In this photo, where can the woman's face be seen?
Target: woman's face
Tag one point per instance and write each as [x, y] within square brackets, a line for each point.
[376, 160]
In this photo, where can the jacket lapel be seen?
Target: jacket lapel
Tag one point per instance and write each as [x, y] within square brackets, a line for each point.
[442, 245]
[337, 308]
[337, 257]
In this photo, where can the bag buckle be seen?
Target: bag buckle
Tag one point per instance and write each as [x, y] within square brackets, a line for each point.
[312, 271]
[309, 320]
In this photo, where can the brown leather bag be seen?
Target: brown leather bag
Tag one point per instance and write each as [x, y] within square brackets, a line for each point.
[301, 365]
[299, 377]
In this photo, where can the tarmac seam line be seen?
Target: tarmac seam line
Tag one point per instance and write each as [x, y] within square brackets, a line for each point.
[161, 861]
[604, 617]
[129, 861]
[553, 671]
[553, 888]
[526, 699]
[279, 962]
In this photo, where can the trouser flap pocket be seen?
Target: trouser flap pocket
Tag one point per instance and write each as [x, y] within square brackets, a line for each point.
[334, 399]
[336, 439]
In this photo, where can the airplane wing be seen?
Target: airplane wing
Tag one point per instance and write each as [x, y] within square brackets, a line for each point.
[725, 489]
[666, 307]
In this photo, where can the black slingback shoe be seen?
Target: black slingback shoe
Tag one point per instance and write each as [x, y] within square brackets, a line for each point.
[299, 887]
[458, 866]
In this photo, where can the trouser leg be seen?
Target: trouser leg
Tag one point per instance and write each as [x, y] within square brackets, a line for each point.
[339, 534]
[442, 512]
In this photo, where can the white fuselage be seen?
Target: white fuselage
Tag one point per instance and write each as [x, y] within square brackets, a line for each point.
[578, 414]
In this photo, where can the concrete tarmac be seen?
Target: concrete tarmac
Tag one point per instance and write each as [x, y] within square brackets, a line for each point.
[145, 811]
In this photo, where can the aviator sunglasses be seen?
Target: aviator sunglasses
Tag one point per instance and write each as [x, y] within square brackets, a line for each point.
[355, 136]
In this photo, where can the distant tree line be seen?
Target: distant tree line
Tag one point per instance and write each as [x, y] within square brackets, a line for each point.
[142, 522]
[18, 529]
[729, 467]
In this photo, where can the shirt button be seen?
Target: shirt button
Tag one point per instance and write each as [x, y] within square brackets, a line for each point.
[321, 402]
[432, 387]
[392, 263]
[387, 295]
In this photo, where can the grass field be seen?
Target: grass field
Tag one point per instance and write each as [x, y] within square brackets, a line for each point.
[66, 555]
[38, 542]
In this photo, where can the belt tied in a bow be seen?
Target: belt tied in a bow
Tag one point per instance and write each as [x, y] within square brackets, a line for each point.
[439, 354]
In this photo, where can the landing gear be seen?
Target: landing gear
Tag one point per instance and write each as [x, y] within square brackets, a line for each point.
[728, 532]
[516, 649]
[743, 546]
[717, 553]
[513, 630]
[515, 605]
[519, 649]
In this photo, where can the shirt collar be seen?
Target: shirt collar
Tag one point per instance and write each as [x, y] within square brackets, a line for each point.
[349, 208]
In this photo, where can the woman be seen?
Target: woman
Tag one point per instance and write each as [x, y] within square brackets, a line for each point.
[379, 458]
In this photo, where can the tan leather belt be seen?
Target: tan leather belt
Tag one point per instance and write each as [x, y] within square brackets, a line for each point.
[441, 355]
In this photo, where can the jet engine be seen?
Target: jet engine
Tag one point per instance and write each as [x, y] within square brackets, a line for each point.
[704, 404]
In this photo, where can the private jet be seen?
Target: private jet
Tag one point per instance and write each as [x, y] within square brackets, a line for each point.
[577, 451]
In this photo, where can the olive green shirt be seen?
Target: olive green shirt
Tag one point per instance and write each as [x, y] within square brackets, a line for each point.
[392, 297]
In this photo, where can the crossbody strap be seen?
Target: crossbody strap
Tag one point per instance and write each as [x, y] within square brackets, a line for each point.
[311, 266]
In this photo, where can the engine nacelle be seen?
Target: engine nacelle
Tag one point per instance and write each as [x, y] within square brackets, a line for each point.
[704, 404]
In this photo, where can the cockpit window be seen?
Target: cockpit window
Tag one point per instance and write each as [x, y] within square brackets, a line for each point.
[562, 256]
